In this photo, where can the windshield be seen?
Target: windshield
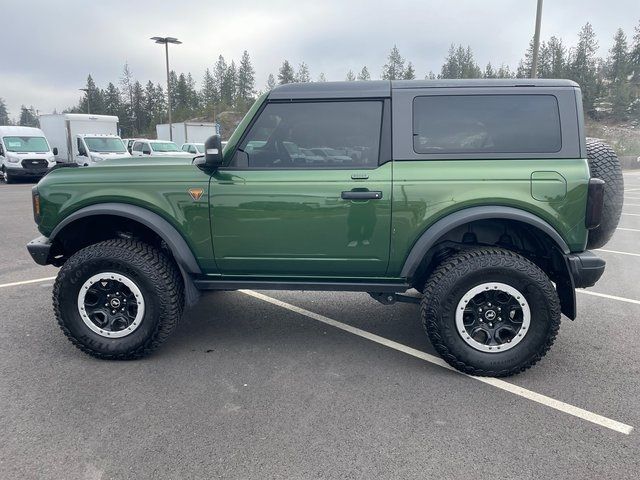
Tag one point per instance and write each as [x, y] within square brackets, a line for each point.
[164, 147]
[26, 144]
[105, 144]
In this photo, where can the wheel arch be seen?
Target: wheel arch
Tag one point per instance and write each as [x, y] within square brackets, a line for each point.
[423, 255]
[150, 220]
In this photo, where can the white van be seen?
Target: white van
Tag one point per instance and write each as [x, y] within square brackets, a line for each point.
[82, 138]
[24, 153]
[157, 148]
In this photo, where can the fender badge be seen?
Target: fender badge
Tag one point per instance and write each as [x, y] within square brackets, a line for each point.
[196, 193]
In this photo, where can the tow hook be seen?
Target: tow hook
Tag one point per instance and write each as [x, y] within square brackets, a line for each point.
[391, 298]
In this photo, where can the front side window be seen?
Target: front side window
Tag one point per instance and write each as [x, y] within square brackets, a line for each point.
[137, 147]
[314, 135]
[450, 124]
[26, 144]
[105, 144]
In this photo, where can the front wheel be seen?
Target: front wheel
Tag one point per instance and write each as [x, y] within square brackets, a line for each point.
[490, 312]
[118, 299]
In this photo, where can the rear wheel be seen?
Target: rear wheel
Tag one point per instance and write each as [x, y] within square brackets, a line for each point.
[490, 311]
[118, 299]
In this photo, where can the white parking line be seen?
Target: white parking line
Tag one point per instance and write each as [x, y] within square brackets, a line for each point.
[628, 229]
[631, 190]
[632, 204]
[618, 252]
[631, 214]
[26, 282]
[610, 297]
[495, 382]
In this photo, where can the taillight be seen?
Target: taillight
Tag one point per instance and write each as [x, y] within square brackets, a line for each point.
[595, 203]
[35, 202]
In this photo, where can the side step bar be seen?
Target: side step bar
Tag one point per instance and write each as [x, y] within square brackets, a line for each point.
[202, 284]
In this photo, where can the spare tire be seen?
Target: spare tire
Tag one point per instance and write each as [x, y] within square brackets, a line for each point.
[604, 164]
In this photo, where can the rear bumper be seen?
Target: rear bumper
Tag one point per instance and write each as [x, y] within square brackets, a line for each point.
[39, 249]
[586, 268]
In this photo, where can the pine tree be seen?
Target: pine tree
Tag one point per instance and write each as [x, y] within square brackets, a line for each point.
[364, 74]
[112, 100]
[209, 93]
[489, 72]
[634, 56]
[350, 76]
[193, 100]
[92, 100]
[4, 114]
[126, 90]
[246, 80]
[409, 72]
[583, 66]
[322, 77]
[138, 109]
[557, 58]
[173, 91]
[526, 64]
[617, 72]
[303, 75]
[430, 76]
[504, 72]
[271, 82]
[394, 68]
[28, 117]
[228, 89]
[219, 74]
[286, 73]
[460, 63]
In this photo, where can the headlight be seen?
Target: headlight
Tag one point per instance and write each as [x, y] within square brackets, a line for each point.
[51, 159]
[13, 159]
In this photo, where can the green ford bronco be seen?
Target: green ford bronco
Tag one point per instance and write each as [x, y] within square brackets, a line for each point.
[484, 196]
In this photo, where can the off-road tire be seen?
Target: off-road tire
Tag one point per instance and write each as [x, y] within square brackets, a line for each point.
[465, 270]
[604, 164]
[158, 279]
[5, 176]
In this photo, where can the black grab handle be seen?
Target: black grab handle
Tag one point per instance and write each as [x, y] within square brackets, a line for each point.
[361, 195]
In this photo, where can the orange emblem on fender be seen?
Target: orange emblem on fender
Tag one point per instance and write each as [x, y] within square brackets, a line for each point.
[196, 193]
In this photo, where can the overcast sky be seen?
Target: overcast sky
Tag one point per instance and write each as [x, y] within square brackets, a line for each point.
[49, 47]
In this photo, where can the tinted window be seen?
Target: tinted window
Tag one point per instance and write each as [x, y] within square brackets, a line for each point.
[137, 146]
[486, 124]
[314, 135]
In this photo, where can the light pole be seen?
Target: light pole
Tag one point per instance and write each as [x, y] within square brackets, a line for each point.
[536, 41]
[166, 41]
[87, 90]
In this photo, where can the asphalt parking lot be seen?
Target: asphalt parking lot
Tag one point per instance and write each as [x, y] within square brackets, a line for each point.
[314, 385]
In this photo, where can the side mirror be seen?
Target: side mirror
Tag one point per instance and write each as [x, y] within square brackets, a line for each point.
[213, 152]
[55, 151]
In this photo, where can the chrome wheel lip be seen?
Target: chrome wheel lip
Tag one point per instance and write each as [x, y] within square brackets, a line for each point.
[496, 286]
[111, 276]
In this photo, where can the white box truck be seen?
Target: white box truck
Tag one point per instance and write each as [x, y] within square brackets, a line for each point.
[187, 132]
[83, 138]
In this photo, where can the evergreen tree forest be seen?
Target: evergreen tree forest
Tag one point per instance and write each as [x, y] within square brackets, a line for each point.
[610, 84]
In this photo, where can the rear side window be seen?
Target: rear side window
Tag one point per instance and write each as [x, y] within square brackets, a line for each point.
[450, 124]
[313, 135]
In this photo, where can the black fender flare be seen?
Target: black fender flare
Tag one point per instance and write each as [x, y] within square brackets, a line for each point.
[176, 243]
[565, 288]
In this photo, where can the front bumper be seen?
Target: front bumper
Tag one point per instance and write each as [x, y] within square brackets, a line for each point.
[39, 249]
[27, 172]
[586, 268]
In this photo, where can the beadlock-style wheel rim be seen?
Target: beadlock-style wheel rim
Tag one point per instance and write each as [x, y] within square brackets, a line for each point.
[111, 305]
[493, 317]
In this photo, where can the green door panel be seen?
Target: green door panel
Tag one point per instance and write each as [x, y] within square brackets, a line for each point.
[426, 191]
[294, 222]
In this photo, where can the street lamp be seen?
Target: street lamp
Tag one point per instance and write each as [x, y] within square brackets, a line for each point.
[166, 41]
[536, 41]
[87, 90]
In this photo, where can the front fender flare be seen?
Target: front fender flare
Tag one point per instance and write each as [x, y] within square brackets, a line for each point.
[176, 243]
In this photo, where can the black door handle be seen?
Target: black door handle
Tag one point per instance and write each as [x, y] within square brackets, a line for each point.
[361, 195]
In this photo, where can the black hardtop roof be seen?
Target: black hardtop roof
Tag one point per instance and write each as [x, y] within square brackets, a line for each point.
[382, 88]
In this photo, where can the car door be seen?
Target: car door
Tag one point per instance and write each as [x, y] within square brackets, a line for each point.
[277, 211]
